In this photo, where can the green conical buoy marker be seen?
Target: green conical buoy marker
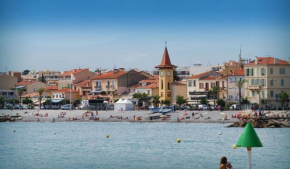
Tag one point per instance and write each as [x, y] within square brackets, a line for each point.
[249, 139]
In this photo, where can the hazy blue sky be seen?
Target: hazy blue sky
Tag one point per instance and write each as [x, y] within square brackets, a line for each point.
[67, 34]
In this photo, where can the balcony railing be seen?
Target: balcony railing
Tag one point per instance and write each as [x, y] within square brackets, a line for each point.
[254, 87]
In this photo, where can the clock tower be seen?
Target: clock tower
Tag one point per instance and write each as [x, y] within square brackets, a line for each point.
[165, 77]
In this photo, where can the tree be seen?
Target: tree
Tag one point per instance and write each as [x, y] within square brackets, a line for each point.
[141, 97]
[245, 101]
[77, 102]
[221, 102]
[20, 92]
[25, 72]
[240, 84]
[175, 76]
[97, 70]
[166, 102]
[42, 79]
[283, 99]
[203, 101]
[1, 102]
[213, 92]
[155, 100]
[40, 92]
[180, 100]
[26, 100]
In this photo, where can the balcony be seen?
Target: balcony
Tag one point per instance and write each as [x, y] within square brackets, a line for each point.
[98, 88]
[254, 87]
[110, 88]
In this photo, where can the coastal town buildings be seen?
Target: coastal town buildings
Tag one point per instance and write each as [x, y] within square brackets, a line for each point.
[83, 88]
[179, 88]
[51, 77]
[7, 94]
[165, 77]
[78, 75]
[233, 90]
[114, 84]
[30, 86]
[147, 86]
[266, 78]
[61, 94]
[198, 68]
[7, 82]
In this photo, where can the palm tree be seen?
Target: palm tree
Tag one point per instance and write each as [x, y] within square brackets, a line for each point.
[20, 92]
[214, 91]
[180, 100]
[166, 102]
[283, 98]
[240, 84]
[141, 97]
[40, 92]
[155, 100]
[245, 101]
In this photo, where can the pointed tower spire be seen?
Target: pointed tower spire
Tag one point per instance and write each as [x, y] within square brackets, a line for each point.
[165, 63]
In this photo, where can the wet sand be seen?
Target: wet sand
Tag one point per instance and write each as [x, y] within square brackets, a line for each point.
[127, 116]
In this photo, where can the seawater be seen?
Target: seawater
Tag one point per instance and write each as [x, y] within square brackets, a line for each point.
[133, 145]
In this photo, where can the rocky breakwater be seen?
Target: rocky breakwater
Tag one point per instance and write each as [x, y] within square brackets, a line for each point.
[265, 119]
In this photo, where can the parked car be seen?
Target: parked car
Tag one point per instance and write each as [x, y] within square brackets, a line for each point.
[202, 107]
[16, 106]
[54, 107]
[24, 106]
[234, 107]
[67, 107]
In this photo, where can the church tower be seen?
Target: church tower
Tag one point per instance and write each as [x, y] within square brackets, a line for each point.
[165, 77]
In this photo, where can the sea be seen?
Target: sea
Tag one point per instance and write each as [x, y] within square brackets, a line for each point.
[78, 145]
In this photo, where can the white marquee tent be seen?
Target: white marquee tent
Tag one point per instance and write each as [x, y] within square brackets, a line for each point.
[123, 105]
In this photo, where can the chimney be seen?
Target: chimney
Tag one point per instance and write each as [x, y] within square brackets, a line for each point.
[256, 61]
[116, 71]
[276, 61]
[121, 68]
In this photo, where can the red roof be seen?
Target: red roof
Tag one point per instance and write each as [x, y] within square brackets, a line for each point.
[210, 78]
[64, 90]
[24, 83]
[240, 72]
[84, 83]
[165, 63]
[179, 83]
[51, 88]
[110, 75]
[268, 61]
[74, 71]
[198, 75]
[149, 86]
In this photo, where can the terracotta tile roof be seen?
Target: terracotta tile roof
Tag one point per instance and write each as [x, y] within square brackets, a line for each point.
[268, 61]
[51, 88]
[24, 83]
[150, 86]
[179, 83]
[74, 71]
[110, 75]
[198, 75]
[210, 78]
[240, 72]
[221, 78]
[148, 81]
[34, 94]
[84, 83]
[165, 63]
[64, 90]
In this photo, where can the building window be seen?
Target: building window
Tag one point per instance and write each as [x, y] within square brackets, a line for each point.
[161, 84]
[271, 71]
[161, 94]
[193, 83]
[263, 71]
[247, 72]
[282, 82]
[272, 93]
[189, 83]
[263, 94]
[168, 94]
[253, 93]
[108, 83]
[168, 86]
[282, 71]
[271, 82]
[263, 82]
[252, 82]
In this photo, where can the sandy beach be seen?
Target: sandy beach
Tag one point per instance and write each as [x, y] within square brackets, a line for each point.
[118, 116]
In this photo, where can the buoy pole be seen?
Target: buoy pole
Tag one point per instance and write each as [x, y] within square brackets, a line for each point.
[249, 157]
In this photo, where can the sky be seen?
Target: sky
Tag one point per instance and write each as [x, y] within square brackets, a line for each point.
[66, 34]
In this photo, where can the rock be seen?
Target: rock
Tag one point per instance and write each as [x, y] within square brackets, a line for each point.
[243, 124]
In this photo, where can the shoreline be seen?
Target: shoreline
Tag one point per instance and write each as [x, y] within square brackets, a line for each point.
[125, 116]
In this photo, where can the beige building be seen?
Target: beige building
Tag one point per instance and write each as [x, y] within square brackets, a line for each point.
[79, 75]
[30, 86]
[59, 95]
[51, 77]
[7, 82]
[147, 86]
[267, 77]
[198, 86]
[178, 88]
[83, 88]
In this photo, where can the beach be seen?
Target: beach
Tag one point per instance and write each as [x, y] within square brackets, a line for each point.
[33, 115]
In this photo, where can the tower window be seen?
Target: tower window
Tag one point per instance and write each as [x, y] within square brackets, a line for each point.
[168, 94]
[168, 86]
[161, 84]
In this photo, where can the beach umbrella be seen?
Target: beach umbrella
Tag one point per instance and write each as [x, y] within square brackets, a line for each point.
[249, 139]
[223, 114]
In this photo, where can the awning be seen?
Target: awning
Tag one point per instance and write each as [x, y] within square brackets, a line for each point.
[56, 100]
[198, 96]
